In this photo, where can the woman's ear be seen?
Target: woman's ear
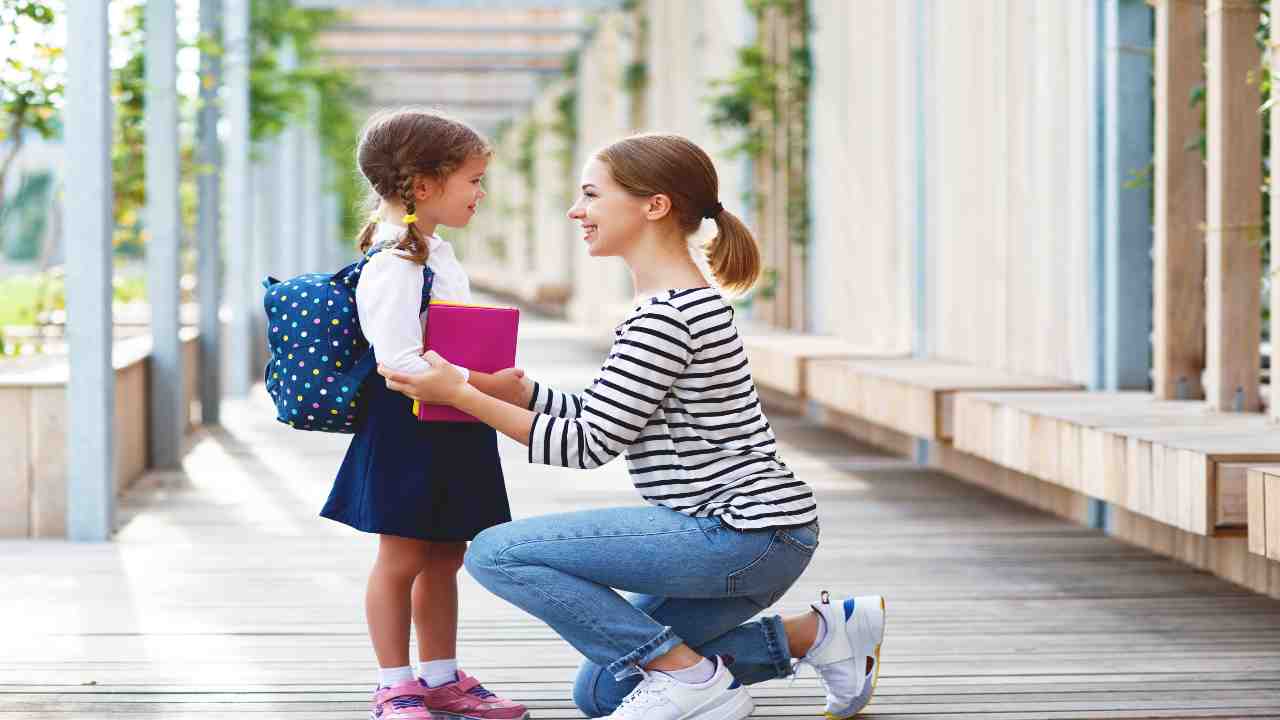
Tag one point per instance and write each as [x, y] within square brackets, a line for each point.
[423, 188]
[658, 207]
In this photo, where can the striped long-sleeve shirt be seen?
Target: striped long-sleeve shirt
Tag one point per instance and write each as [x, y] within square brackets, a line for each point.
[676, 395]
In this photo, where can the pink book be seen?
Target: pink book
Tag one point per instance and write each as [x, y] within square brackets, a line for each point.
[476, 337]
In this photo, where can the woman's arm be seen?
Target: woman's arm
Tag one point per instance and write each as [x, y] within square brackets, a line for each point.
[443, 383]
[643, 365]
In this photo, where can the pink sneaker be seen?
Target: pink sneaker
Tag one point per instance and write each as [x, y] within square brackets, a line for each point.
[399, 702]
[467, 699]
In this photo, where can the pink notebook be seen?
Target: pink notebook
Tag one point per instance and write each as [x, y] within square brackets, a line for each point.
[476, 337]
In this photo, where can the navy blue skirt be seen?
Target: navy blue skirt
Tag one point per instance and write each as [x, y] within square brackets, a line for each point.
[425, 480]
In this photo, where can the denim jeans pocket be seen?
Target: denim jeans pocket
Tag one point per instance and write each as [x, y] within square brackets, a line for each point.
[767, 577]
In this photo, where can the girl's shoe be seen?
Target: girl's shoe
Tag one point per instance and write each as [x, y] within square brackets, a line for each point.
[467, 699]
[848, 658]
[399, 702]
[661, 697]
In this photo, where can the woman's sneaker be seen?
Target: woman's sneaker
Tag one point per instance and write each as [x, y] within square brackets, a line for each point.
[848, 658]
[467, 699]
[661, 697]
[399, 702]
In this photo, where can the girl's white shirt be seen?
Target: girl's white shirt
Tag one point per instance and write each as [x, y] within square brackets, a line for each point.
[390, 292]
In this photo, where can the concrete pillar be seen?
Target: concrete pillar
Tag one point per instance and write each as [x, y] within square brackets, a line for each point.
[241, 293]
[168, 419]
[88, 223]
[209, 221]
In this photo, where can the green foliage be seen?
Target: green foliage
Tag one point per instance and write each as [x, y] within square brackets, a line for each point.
[279, 97]
[31, 81]
[24, 217]
[750, 91]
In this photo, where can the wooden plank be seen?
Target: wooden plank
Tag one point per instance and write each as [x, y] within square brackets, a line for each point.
[1231, 500]
[15, 462]
[1178, 252]
[1257, 511]
[1271, 494]
[1234, 209]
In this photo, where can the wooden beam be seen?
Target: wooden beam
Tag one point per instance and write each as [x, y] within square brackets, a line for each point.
[1233, 261]
[1274, 399]
[1178, 286]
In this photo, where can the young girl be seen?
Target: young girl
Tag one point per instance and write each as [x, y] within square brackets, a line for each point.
[728, 528]
[424, 488]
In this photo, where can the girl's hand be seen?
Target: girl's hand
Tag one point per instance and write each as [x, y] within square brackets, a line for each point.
[443, 384]
[512, 386]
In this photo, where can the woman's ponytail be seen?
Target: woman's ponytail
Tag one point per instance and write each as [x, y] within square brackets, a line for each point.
[733, 254]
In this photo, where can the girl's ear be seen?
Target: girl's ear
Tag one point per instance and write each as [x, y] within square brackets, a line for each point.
[423, 188]
[658, 207]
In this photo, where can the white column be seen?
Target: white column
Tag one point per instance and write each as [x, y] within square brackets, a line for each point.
[289, 186]
[261, 260]
[209, 257]
[240, 286]
[87, 224]
[167, 421]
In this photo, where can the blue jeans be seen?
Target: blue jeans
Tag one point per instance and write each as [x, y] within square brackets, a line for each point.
[691, 580]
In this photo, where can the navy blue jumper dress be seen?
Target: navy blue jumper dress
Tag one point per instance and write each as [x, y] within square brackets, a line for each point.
[439, 481]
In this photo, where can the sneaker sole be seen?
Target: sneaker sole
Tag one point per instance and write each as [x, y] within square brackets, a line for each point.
[879, 618]
[442, 715]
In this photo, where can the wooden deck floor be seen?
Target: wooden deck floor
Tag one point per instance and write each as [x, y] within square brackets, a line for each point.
[225, 596]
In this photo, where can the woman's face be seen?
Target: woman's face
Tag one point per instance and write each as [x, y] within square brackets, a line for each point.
[611, 218]
[455, 203]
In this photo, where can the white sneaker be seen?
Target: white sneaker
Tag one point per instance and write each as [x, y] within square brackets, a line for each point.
[855, 630]
[661, 697]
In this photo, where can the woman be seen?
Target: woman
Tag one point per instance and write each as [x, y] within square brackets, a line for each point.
[728, 529]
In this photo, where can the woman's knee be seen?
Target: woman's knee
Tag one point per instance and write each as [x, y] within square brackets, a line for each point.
[484, 553]
[589, 695]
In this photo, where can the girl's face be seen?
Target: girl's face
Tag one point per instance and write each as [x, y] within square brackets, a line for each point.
[611, 218]
[455, 202]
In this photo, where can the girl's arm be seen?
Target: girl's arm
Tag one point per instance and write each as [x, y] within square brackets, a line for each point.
[387, 298]
[642, 367]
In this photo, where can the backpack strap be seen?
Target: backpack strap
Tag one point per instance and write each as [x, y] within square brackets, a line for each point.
[367, 363]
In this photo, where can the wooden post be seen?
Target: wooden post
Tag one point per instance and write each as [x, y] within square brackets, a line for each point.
[86, 226]
[1178, 287]
[1233, 259]
[1273, 399]
[168, 419]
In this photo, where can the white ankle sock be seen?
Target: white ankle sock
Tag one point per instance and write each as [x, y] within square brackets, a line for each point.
[394, 676]
[438, 672]
[822, 633]
[697, 674]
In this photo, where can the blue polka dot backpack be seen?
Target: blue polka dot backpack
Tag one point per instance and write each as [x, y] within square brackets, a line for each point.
[319, 357]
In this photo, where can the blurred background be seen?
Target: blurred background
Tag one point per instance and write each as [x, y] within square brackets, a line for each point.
[1023, 241]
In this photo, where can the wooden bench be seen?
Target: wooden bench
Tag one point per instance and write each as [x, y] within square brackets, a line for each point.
[1264, 510]
[779, 360]
[1173, 461]
[915, 396]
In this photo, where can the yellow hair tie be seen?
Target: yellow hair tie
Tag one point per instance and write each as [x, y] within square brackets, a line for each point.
[409, 219]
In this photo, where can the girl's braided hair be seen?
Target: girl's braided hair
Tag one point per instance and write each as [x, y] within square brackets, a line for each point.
[399, 146]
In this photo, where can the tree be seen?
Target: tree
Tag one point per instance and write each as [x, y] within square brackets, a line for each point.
[31, 77]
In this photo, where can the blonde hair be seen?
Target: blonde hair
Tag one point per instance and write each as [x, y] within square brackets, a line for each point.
[658, 164]
[399, 146]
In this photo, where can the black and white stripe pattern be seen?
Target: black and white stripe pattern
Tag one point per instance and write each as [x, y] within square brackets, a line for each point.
[676, 395]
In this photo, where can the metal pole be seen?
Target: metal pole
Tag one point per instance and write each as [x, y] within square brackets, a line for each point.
[209, 258]
[240, 286]
[87, 226]
[164, 230]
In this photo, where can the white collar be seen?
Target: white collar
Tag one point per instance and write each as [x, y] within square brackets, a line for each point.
[390, 231]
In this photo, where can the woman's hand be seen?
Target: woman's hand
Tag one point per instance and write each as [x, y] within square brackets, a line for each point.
[512, 386]
[442, 384]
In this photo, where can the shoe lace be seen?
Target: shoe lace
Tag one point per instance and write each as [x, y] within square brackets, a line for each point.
[405, 702]
[481, 692]
[642, 690]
